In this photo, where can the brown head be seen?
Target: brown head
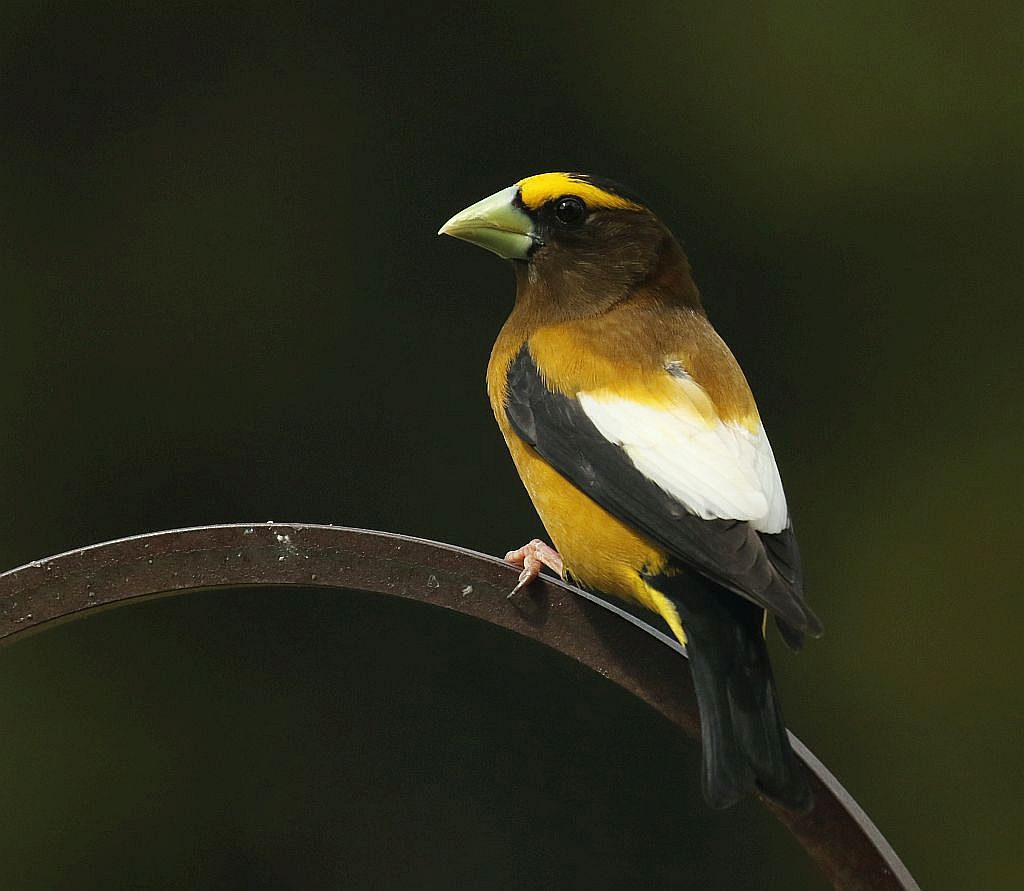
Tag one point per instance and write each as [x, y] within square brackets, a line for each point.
[579, 245]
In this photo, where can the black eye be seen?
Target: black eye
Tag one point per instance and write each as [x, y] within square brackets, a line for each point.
[570, 210]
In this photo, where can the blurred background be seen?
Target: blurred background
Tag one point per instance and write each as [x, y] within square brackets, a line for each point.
[225, 302]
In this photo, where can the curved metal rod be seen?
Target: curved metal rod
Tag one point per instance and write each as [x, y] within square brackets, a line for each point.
[836, 834]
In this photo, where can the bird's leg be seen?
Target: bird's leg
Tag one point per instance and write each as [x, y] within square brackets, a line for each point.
[531, 557]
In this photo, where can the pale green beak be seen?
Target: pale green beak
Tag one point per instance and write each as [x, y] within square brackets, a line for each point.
[496, 224]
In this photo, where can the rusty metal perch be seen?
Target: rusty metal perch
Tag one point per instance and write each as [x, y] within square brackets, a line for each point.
[836, 834]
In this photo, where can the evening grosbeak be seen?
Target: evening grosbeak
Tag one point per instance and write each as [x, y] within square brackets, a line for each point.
[638, 440]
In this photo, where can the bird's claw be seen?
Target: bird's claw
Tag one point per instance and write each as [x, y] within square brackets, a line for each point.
[525, 577]
[532, 557]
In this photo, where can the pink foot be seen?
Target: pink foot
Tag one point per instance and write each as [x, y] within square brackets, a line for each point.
[531, 557]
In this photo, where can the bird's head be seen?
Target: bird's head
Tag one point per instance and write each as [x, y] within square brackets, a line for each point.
[578, 242]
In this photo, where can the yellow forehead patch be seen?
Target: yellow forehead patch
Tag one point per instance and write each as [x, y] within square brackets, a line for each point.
[535, 190]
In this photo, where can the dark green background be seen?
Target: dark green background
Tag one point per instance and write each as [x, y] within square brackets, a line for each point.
[225, 301]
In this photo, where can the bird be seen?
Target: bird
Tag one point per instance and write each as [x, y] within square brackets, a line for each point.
[640, 445]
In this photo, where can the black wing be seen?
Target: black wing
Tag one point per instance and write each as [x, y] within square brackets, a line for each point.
[763, 568]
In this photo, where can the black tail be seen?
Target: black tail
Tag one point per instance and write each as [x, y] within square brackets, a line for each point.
[742, 733]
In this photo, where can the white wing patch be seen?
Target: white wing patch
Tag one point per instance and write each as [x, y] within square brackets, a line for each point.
[716, 469]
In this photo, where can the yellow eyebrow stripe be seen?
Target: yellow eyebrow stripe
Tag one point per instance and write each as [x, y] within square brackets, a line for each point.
[536, 190]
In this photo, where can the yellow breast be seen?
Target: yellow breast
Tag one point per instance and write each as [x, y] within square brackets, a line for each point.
[598, 550]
